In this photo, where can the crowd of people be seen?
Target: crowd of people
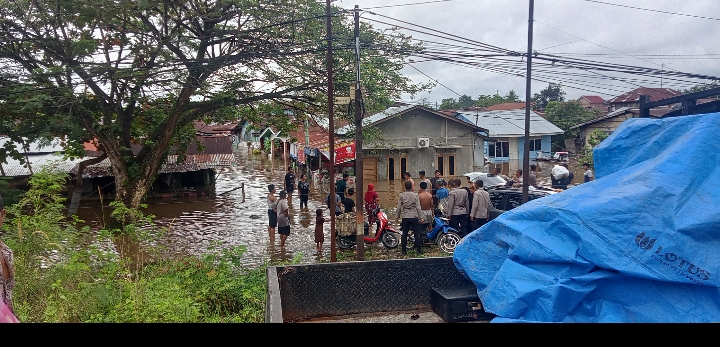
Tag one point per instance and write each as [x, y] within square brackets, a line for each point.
[467, 208]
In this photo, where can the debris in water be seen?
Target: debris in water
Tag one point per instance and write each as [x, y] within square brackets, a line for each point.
[415, 316]
[254, 216]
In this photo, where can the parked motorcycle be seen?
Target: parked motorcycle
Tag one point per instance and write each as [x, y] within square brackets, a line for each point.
[386, 234]
[441, 234]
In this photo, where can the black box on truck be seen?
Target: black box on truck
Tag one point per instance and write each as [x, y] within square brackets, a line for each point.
[458, 304]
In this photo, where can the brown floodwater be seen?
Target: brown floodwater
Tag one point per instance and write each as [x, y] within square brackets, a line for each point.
[194, 226]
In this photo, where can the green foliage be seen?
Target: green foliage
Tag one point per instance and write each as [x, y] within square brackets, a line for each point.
[703, 86]
[552, 93]
[68, 275]
[565, 115]
[10, 195]
[466, 101]
[141, 72]
[586, 155]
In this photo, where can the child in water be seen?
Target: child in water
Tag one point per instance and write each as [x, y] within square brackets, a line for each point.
[319, 232]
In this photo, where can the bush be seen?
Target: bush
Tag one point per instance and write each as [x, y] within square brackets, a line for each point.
[68, 275]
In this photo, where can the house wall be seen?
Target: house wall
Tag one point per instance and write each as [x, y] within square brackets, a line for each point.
[546, 146]
[403, 131]
[607, 125]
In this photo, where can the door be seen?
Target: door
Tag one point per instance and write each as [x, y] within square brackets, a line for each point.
[391, 168]
[403, 166]
[446, 165]
[369, 170]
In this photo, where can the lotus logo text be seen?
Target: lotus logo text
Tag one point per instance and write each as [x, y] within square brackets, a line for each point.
[683, 266]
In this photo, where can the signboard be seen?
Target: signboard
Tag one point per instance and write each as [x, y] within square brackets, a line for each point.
[345, 152]
[342, 100]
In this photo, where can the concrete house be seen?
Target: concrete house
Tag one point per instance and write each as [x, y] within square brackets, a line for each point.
[417, 138]
[507, 129]
[593, 102]
[609, 122]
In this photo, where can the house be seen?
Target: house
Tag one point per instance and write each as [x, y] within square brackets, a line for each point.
[507, 129]
[611, 121]
[631, 98]
[593, 102]
[416, 138]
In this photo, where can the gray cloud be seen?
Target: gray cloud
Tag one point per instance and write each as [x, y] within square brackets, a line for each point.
[504, 24]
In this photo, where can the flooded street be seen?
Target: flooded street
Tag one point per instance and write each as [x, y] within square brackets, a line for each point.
[195, 225]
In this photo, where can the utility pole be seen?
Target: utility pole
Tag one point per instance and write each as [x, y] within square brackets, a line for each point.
[307, 144]
[359, 194]
[526, 147]
[331, 131]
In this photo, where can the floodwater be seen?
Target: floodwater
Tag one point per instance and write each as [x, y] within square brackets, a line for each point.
[197, 225]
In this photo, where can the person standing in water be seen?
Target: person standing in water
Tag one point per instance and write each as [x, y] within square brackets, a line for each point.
[272, 215]
[290, 183]
[304, 191]
[319, 231]
[283, 218]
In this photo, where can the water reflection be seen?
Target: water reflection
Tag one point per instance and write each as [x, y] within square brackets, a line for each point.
[195, 225]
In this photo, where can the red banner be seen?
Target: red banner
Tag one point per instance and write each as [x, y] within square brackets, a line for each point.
[301, 155]
[344, 153]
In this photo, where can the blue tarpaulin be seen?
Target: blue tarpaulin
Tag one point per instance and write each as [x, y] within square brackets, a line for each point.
[641, 243]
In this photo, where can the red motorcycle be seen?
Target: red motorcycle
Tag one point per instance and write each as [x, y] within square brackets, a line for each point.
[386, 234]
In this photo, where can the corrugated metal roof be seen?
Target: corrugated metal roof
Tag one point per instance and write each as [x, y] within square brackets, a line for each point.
[14, 168]
[654, 93]
[36, 147]
[511, 123]
[377, 117]
[193, 162]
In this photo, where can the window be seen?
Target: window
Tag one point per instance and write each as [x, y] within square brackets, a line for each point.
[391, 169]
[502, 149]
[496, 200]
[451, 165]
[440, 165]
[514, 200]
[536, 144]
[491, 150]
[403, 166]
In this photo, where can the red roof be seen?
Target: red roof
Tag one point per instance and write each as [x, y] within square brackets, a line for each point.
[593, 99]
[654, 93]
[507, 106]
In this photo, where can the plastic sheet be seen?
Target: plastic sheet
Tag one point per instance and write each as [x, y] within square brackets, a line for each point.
[641, 243]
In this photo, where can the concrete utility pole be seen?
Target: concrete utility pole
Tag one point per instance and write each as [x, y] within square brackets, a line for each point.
[331, 132]
[359, 192]
[526, 148]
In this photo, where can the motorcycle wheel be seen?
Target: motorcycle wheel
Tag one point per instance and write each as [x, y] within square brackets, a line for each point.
[390, 239]
[448, 241]
[344, 243]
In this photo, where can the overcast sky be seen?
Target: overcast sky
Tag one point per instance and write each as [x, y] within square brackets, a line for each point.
[579, 27]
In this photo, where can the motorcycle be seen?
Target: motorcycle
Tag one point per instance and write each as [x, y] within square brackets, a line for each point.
[386, 234]
[441, 234]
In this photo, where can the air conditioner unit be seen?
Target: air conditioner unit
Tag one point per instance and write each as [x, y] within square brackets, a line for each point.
[423, 142]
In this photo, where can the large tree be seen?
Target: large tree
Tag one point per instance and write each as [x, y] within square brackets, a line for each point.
[565, 115]
[553, 92]
[125, 72]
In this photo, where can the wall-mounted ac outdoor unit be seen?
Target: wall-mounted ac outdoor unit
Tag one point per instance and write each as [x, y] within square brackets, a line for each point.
[423, 142]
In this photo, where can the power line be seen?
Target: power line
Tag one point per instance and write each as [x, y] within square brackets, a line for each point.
[651, 10]
[615, 50]
[410, 4]
[433, 79]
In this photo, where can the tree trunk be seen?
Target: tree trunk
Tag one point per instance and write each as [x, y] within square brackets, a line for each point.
[76, 190]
